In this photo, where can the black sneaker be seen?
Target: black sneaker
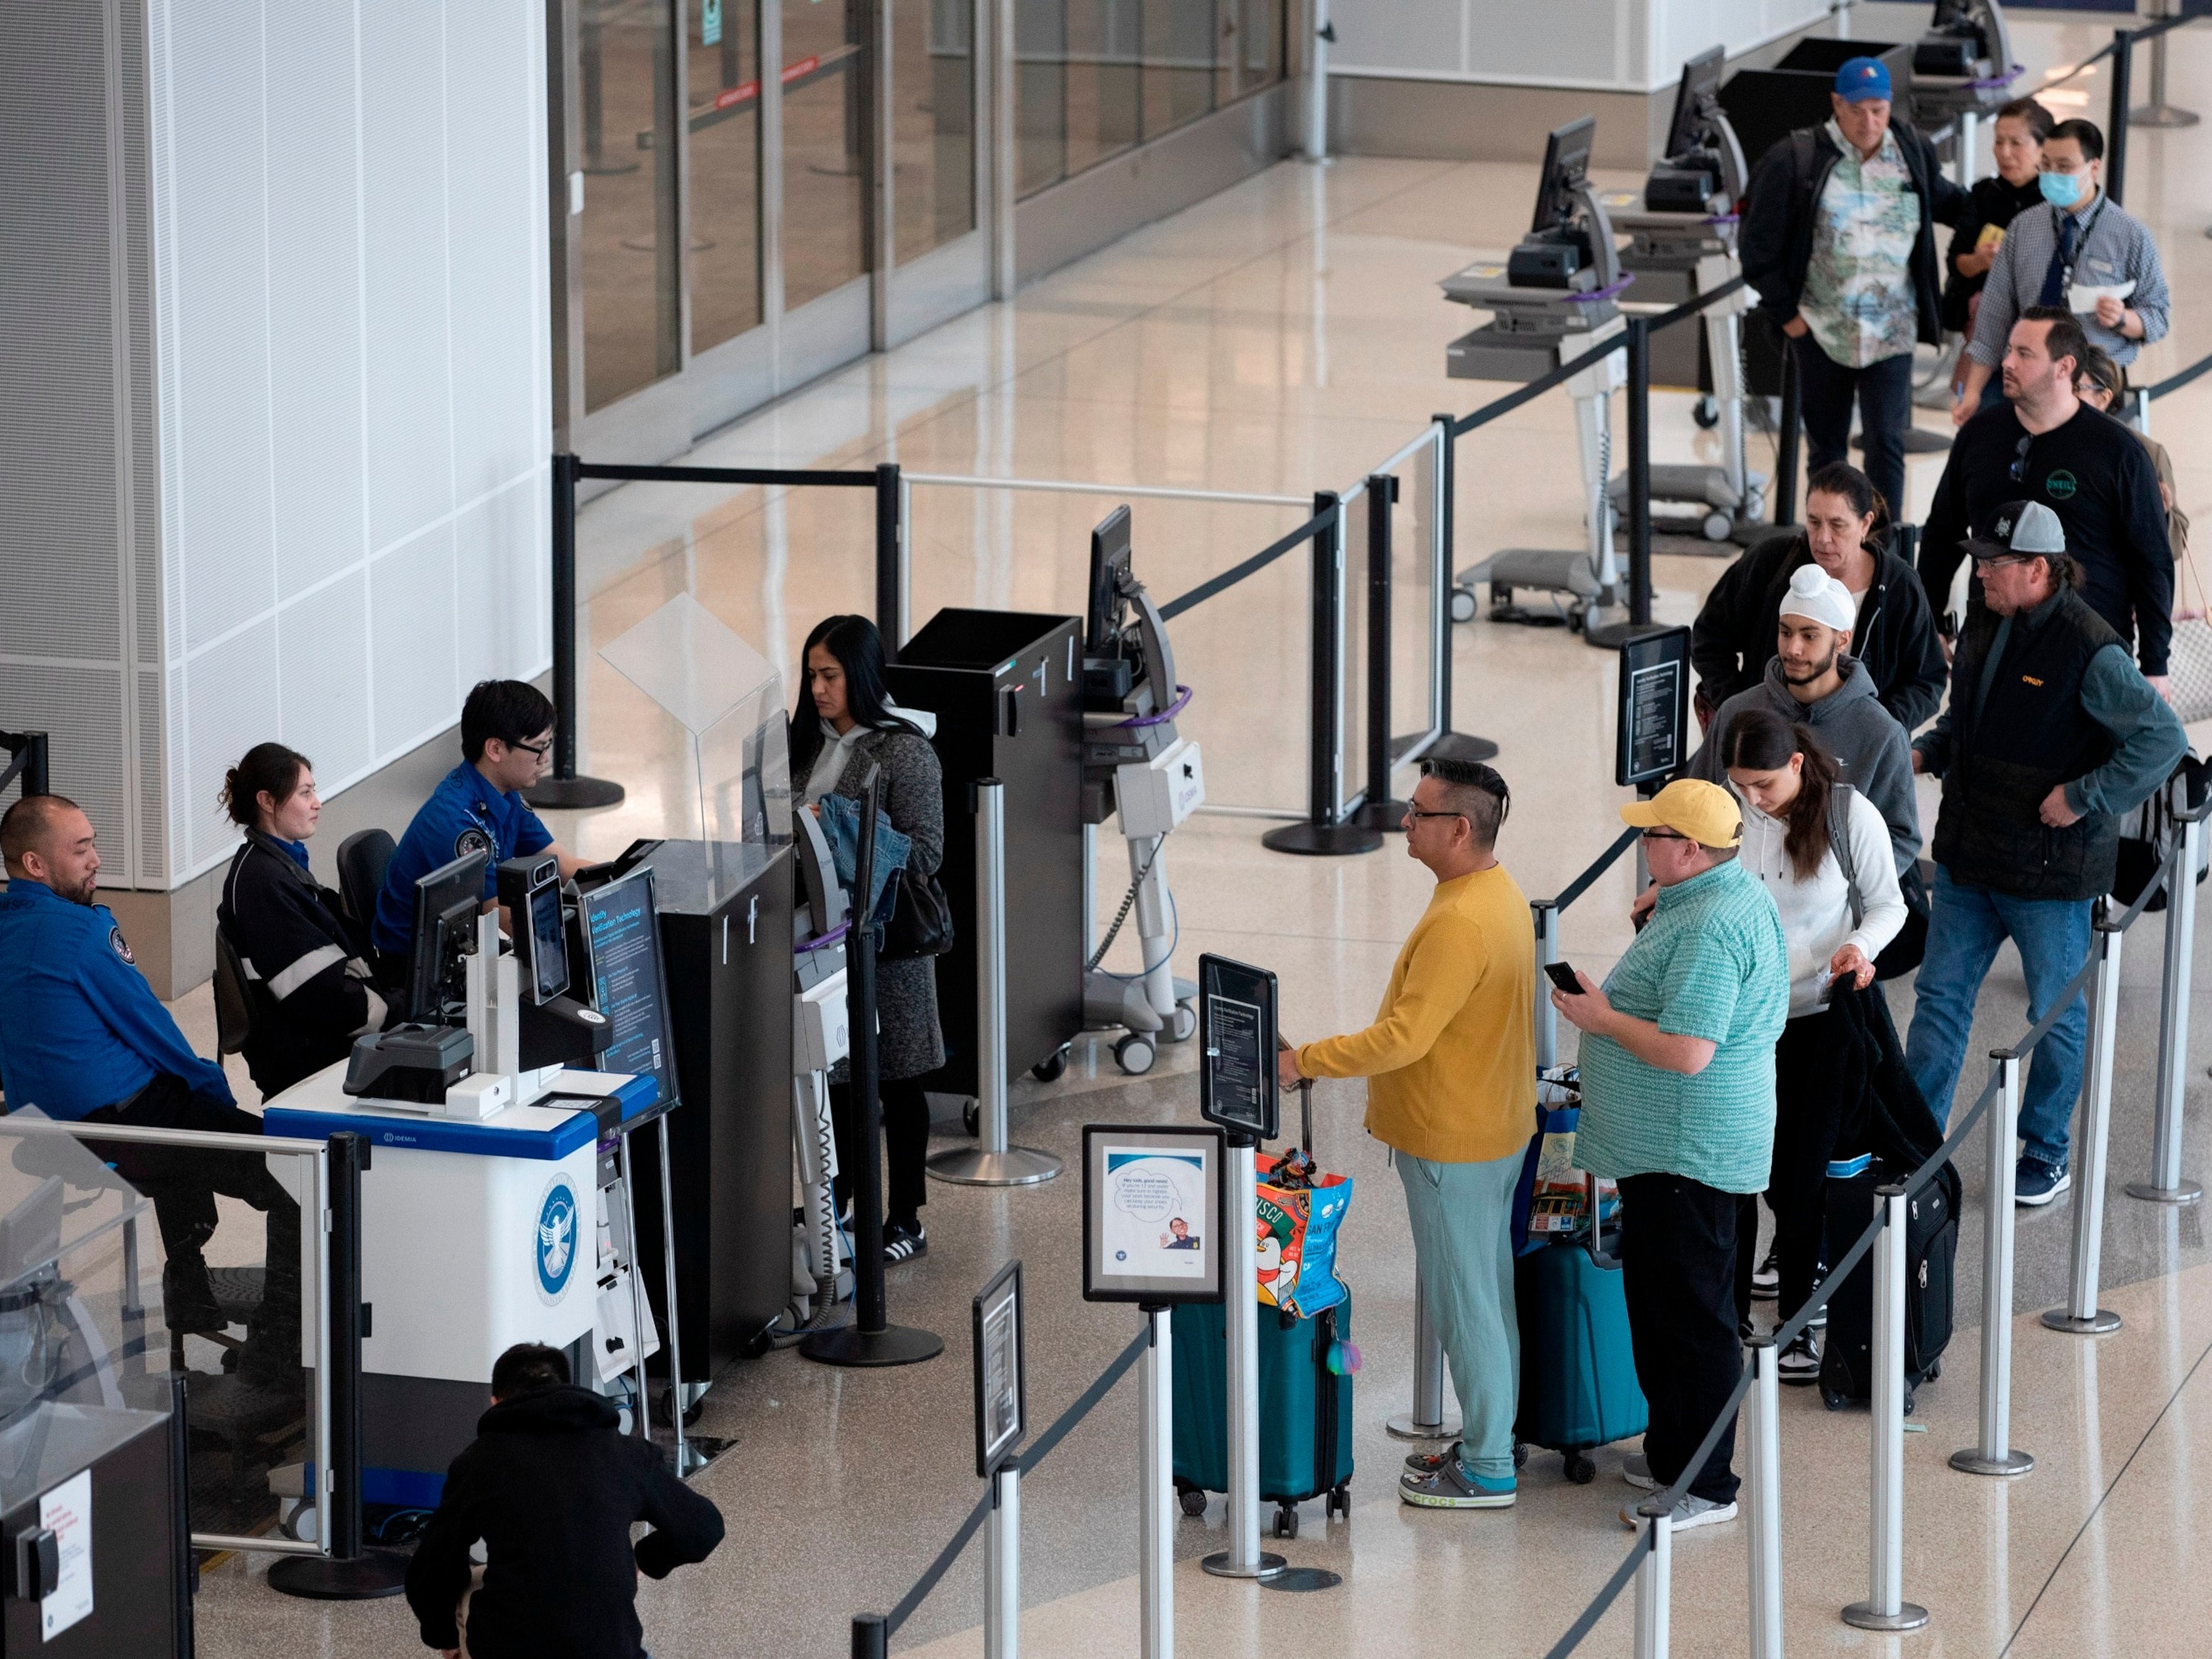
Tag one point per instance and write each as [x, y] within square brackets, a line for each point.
[904, 1241]
[1766, 1280]
[1799, 1363]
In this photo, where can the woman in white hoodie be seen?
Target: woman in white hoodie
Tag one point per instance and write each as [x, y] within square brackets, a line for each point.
[1822, 851]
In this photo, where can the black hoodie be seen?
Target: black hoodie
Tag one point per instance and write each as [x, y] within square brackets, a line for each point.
[552, 1489]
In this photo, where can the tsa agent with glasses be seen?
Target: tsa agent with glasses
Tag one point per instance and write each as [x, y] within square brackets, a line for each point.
[507, 732]
[2044, 445]
[2050, 735]
[2081, 252]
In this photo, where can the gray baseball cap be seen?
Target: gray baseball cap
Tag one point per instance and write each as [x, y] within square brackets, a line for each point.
[2021, 529]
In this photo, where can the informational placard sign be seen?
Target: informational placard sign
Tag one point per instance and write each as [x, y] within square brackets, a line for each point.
[66, 1512]
[1236, 1085]
[1001, 1402]
[1653, 718]
[1153, 1205]
[623, 931]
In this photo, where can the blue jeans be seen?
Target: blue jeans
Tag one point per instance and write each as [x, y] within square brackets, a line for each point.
[1826, 390]
[1965, 924]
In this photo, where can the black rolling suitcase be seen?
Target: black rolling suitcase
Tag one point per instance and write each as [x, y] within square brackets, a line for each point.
[1931, 1245]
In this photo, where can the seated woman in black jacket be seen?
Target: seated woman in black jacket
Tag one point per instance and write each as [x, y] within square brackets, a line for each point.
[306, 963]
[1846, 533]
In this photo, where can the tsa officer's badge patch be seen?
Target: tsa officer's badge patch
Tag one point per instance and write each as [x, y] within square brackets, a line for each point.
[471, 840]
[120, 945]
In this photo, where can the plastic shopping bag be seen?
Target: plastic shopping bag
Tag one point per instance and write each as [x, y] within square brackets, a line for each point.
[1296, 1226]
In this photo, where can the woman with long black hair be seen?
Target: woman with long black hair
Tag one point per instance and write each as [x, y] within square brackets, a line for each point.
[845, 721]
[1839, 907]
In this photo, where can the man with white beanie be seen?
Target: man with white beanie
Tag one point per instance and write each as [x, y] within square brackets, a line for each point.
[1813, 678]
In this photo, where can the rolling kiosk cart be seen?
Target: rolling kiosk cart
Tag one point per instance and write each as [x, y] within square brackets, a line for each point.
[1682, 244]
[1553, 300]
[1135, 766]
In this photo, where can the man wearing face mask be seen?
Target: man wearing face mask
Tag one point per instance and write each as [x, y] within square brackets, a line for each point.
[2083, 251]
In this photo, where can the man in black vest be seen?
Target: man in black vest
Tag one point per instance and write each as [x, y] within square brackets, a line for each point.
[2052, 734]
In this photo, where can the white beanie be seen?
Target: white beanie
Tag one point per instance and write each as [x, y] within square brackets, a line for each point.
[1818, 597]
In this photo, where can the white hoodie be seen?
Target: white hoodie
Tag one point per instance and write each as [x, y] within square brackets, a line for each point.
[1816, 912]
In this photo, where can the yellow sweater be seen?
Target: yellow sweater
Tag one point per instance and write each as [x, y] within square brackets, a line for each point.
[1450, 1061]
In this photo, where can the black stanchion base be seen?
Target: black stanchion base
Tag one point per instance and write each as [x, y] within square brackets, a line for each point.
[1385, 814]
[1611, 636]
[895, 1344]
[572, 794]
[1323, 840]
[368, 1576]
[1458, 745]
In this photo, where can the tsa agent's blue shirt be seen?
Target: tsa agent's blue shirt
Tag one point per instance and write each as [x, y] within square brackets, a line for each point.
[464, 814]
[80, 1028]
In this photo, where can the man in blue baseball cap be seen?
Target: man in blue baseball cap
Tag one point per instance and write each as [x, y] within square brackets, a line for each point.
[1838, 241]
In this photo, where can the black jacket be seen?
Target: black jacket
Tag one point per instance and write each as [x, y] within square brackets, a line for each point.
[1783, 205]
[1990, 202]
[551, 1488]
[1895, 642]
[305, 965]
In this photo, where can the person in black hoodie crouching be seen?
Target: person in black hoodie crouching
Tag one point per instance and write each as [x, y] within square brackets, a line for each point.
[551, 1488]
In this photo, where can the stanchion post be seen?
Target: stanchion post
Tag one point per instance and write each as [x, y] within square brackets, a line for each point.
[1451, 745]
[1546, 914]
[1323, 833]
[890, 561]
[2158, 112]
[2081, 1315]
[564, 787]
[1785, 448]
[1615, 635]
[992, 1162]
[1886, 1607]
[1243, 1559]
[1429, 1420]
[1379, 810]
[1995, 1454]
[1156, 1494]
[1002, 1565]
[2167, 1185]
[1654, 1588]
[1316, 88]
[1762, 1499]
[870, 1636]
[2116, 123]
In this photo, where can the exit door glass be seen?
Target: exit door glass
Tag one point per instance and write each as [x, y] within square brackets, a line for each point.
[825, 146]
[933, 122]
[632, 268]
[724, 94]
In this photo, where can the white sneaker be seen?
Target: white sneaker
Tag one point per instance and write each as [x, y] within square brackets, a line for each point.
[1635, 1470]
[1692, 1512]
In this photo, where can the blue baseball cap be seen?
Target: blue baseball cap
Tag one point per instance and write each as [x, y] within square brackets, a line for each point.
[1861, 78]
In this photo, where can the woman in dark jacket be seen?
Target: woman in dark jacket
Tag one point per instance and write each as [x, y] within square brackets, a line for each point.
[2016, 143]
[846, 720]
[1846, 532]
[306, 965]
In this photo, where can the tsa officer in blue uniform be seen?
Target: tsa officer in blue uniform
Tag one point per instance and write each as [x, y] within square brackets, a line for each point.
[507, 732]
[83, 1037]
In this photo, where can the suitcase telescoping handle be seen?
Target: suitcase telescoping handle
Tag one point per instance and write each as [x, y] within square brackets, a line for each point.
[1593, 1241]
[1305, 1105]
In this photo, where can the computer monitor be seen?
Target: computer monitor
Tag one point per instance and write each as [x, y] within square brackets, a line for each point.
[446, 905]
[1566, 166]
[1109, 563]
[1699, 88]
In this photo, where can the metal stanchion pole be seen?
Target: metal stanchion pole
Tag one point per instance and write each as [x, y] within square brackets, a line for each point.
[1615, 635]
[564, 786]
[2158, 112]
[1428, 1420]
[1324, 833]
[1451, 746]
[1886, 1607]
[1317, 45]
[1996, 1455]
[1785, 450]
[1548, 951]
[1002, 1566]
[1379, 810]
[2081, 1315]
[1156, 1499]
[2116, 123]
[871, 1637]
[1762, 1499]
[2167, 1185]
[993, 1163]
[891, 559]
[1243, 1559]
[1653, 1589]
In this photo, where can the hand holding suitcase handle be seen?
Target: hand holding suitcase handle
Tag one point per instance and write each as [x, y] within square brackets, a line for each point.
[1594, 1242]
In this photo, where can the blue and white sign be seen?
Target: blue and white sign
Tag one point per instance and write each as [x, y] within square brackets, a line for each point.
[556, 1244]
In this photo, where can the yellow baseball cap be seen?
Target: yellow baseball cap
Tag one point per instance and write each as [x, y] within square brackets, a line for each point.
[1703, 811]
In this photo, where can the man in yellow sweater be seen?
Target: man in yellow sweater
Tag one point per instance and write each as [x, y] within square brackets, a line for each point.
[1450, 1064]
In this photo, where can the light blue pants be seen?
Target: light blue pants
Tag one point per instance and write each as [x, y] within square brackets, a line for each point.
[1462, 1219]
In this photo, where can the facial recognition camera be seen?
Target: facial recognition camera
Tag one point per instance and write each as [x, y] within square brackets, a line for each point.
[555, 1028]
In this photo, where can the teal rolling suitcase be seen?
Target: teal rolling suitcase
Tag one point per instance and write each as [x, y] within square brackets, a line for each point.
[1578, 1387]
[1305, 1410]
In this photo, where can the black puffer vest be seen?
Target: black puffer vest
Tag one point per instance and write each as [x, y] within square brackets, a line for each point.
[2029, 734]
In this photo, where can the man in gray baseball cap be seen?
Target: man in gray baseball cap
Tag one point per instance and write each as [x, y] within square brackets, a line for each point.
[2052, 733]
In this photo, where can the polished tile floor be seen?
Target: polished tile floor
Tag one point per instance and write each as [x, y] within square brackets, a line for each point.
[1283, 337]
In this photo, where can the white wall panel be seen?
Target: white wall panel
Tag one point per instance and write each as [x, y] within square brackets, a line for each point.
[497, 560]
[322, 670]
[226, 696]
[415, 648]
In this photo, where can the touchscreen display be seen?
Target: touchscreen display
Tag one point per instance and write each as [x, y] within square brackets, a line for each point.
[549, 945]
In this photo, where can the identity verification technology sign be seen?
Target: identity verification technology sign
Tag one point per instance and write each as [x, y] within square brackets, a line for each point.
[1152, 1207]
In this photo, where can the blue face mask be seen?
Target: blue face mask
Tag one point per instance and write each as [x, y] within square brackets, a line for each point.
[2061, 190]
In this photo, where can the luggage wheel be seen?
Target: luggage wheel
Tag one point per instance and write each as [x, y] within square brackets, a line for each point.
[1193, 1501]
[1581, 1468]
[1286, 1521]
[1340, 1501]
[1832, 1399]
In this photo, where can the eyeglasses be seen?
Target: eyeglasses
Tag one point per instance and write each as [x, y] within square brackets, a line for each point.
[1994, 561]
[1419, 812]
[2018, 470]
[1663, 834]
[536, 749]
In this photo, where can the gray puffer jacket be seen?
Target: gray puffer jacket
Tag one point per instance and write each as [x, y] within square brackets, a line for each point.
[910, 1041]
[1868, 743]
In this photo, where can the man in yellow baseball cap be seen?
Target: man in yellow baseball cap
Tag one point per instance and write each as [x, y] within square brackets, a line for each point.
[1678, 1105]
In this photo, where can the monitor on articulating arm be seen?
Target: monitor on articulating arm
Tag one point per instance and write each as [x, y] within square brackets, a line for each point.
[1703, 158]
[1123, 656]
[1570, 241]
[1566, 173]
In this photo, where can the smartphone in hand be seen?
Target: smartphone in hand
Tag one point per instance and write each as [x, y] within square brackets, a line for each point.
[1563, 976]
